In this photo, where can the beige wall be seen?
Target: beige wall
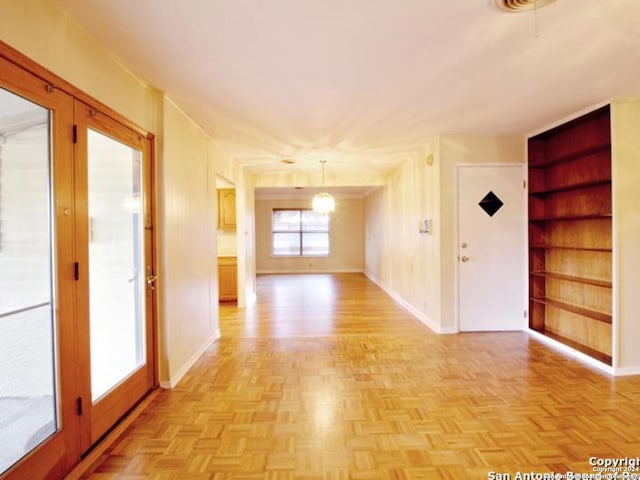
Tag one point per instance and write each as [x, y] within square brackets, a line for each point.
[346, 238]
[246, 216]
[403, 261]
[626, 231]
[187, 273]
[376, 252]
[227, 243]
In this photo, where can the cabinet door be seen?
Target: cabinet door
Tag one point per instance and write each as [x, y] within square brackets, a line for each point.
[227, 209]
[228, 278]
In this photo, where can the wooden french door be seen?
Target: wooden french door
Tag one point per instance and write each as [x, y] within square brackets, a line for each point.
[115, 269]
[38, 421]
[77, 347]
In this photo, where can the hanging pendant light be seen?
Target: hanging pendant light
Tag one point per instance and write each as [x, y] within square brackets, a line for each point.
[323, 202]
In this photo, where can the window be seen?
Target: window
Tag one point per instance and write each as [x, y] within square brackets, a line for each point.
[300, 233]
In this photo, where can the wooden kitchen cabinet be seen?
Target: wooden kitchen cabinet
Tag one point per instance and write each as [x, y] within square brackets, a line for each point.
[226, 209]
[227, 279]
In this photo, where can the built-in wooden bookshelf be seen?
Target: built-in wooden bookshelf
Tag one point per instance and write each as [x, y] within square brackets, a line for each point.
[570, 241]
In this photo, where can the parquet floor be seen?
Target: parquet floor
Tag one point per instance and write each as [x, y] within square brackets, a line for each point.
[327, 378]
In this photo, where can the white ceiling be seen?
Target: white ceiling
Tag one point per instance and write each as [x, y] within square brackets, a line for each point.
[307, 193]
[362, 82]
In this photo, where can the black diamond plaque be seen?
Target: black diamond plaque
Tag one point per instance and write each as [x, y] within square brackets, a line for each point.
[491, 204]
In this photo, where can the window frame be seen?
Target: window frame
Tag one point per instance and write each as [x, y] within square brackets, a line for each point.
[301, 233]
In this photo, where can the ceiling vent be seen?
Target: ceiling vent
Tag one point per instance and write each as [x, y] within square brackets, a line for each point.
[521, 5]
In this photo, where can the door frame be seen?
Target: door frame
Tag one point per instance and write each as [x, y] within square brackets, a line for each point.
[456, 237]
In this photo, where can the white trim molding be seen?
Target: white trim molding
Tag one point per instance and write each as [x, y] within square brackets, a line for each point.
[626, 371]
[173, 382]
[308, 270]
[572, 352]
[433, 326]
[251, 300]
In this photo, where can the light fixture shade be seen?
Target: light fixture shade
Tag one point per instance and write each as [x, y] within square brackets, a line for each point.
[324, 203]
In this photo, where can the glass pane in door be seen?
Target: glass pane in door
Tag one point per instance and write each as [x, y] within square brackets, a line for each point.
[116, 262]
[28, 379]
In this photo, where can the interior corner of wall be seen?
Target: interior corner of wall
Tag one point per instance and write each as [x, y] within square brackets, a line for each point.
[163, 355]
[240, 175]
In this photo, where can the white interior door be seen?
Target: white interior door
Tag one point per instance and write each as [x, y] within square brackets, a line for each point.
[491, 240]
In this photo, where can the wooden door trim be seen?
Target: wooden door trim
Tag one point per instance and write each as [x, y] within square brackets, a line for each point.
[25, 63]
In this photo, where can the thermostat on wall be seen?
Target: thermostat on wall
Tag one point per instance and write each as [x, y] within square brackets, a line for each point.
[425, 226]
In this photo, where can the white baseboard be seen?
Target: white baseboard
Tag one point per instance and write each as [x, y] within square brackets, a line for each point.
[410, 308]
[624, 371]
[308, 270]
[572, 352]
[172, 382]
[374, 279]
[448, 330]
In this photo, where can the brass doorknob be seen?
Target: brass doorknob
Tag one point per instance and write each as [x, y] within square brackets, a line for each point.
[151, 281]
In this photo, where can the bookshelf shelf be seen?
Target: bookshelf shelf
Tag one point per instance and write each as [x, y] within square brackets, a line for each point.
[570, 205]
